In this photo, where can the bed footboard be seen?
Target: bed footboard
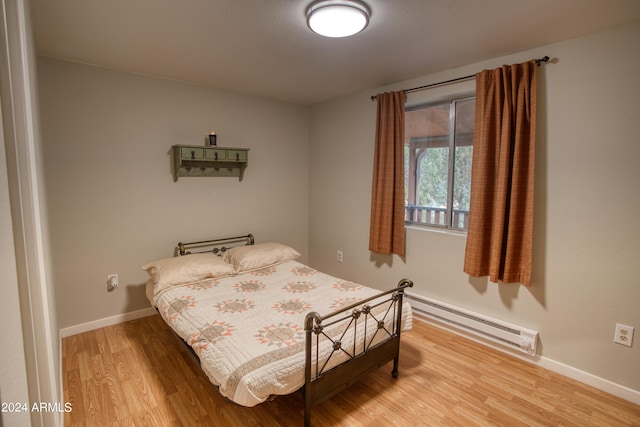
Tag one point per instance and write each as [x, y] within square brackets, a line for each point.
[365, 334]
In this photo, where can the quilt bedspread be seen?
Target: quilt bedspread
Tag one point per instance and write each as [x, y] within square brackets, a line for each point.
[248, 329]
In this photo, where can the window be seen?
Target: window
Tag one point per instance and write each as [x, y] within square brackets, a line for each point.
[437, 158]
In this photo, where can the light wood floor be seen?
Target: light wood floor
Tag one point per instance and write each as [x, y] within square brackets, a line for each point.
[138, 374]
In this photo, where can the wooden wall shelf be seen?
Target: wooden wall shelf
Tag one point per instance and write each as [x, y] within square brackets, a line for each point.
[208, 161]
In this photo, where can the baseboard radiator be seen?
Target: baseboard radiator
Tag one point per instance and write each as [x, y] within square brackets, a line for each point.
[516, 337]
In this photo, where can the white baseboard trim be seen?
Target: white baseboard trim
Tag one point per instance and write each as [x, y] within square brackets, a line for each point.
[607, 386]
[610, 387]
[107, 321]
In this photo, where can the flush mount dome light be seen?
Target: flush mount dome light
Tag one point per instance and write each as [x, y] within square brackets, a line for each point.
[337, 18]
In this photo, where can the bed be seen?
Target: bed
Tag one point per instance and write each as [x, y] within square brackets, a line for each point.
[251, 315]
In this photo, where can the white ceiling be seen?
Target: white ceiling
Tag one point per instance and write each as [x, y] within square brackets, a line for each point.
[264, 47]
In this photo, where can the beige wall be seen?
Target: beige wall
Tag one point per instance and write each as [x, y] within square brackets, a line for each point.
[13, 370]
[113, 204]
[587, 231]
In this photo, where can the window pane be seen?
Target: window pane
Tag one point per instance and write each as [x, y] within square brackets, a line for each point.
[436, 186]
[426, 164]
[465, 116]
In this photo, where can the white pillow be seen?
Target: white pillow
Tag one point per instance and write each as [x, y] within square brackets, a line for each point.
[184, 269]
[253, 257]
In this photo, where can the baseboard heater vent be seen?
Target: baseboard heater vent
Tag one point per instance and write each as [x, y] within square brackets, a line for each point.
[504, 333]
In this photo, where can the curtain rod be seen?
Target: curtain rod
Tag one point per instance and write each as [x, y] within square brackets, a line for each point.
[472, 76]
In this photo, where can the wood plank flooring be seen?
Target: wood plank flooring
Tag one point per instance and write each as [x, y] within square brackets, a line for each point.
[138, 374]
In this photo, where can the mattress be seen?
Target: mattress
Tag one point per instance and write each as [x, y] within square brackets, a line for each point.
[248, 329]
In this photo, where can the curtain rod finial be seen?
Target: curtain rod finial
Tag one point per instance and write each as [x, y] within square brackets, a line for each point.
[541, 60]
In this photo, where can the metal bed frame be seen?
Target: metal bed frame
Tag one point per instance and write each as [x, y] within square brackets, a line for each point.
[376, 349]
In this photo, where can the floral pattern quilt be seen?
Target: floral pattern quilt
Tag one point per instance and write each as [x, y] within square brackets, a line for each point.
[248, 329]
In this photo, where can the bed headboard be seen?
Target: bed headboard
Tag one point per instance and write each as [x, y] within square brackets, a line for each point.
[214, 246]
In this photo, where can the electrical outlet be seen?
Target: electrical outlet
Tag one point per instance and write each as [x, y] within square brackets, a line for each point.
[624, 335]
[113, 281]
[339, 256]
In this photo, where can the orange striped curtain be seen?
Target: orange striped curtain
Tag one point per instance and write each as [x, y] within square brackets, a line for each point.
[386, 232]
[499, 239]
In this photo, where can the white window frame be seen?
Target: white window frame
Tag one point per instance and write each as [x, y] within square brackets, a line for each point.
[449, 210]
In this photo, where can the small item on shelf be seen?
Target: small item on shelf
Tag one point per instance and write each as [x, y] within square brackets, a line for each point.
[212, 138]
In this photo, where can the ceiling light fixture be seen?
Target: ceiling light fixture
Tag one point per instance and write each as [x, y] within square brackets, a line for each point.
[337, 18]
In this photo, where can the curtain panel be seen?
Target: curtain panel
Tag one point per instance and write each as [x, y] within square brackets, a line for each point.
[499, 238]
[386, 232]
